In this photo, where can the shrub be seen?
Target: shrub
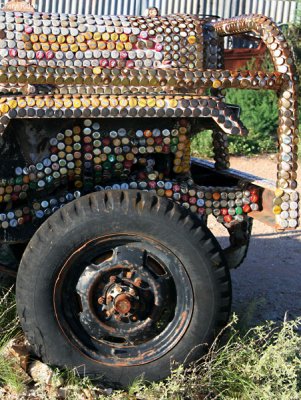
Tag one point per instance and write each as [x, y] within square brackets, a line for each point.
[201, 144]
[259, 114]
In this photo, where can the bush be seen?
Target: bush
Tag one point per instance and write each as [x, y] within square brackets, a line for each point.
[201, 144]
[259, 114]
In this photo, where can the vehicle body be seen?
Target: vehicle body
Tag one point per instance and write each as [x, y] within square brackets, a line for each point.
[98, 112]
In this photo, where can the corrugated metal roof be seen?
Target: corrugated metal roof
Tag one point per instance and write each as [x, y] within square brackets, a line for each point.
[280, 10]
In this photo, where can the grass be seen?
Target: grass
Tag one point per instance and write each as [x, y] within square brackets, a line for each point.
[261, 363]
[9, 328]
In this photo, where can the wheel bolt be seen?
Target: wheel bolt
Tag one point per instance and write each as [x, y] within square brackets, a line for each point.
[109, 299]
[138, 282]
[101, 300]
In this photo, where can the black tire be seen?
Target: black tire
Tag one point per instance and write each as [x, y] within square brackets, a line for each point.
[59, 268]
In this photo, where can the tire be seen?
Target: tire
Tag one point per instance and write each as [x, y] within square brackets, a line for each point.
[121, 283]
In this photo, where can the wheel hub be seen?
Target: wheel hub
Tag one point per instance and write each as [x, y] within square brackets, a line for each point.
[125, 300]
[123, 304]
[117, 294]
[120, 299]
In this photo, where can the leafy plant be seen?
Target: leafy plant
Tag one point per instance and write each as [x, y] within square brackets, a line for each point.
[259, 114]
[263, 364]
[201, 144]
[9, 328]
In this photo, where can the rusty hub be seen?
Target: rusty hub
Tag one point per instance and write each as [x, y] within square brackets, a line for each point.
[123, 304]
[132, 300]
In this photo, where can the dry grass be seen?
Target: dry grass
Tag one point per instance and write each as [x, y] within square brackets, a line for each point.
[262, 363]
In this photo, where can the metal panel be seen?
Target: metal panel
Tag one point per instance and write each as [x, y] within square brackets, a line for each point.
[280, 10]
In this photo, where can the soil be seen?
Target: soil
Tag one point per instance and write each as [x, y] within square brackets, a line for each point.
[267, 286]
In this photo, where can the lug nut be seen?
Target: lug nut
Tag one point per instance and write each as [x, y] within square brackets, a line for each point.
[109, 299]
[101, 300]
[137, 282]
[129, 274]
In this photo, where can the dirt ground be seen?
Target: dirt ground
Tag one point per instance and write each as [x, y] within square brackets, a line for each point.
[268, 284]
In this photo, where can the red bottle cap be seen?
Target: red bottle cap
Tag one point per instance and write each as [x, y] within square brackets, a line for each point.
[246, 208]
[228, 218]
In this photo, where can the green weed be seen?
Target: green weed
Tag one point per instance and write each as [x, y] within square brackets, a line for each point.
[262, 363]
[9, 328]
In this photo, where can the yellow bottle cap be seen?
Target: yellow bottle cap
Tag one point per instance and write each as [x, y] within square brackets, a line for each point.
[4, 108]
[95, 102]
[105, 36]
[276, 210]
[97, 71]
[142, 102]
[43, 38]
[119, 46]
[124, 37]
[216, 84]
[30, 101]
[70, 39]
[61, 39]
[113, 102]
[104, 102]
[34, 38]
[279, 192]
[123, 102]
[173, 103]
[114, 36]
[102, 45]
[74, 48]
[97, 36]
[22, 103]
[80, 39]
[51, 38]
[12, 103]
[88, 35]
[133, 102]
[151, 102]
[77, 103]
[128, 46]
[160, 103]
[191, 39]
[40, 103]
[86, 102]
[49, 102]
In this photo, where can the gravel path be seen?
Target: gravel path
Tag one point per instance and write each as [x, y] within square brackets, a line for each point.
[268, 283]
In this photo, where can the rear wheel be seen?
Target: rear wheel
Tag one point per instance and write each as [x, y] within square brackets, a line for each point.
[119, 284]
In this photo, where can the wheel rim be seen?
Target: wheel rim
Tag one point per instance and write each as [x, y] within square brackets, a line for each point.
[123, 299]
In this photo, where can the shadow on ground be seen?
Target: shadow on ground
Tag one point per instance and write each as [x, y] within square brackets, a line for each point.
[268, 284]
